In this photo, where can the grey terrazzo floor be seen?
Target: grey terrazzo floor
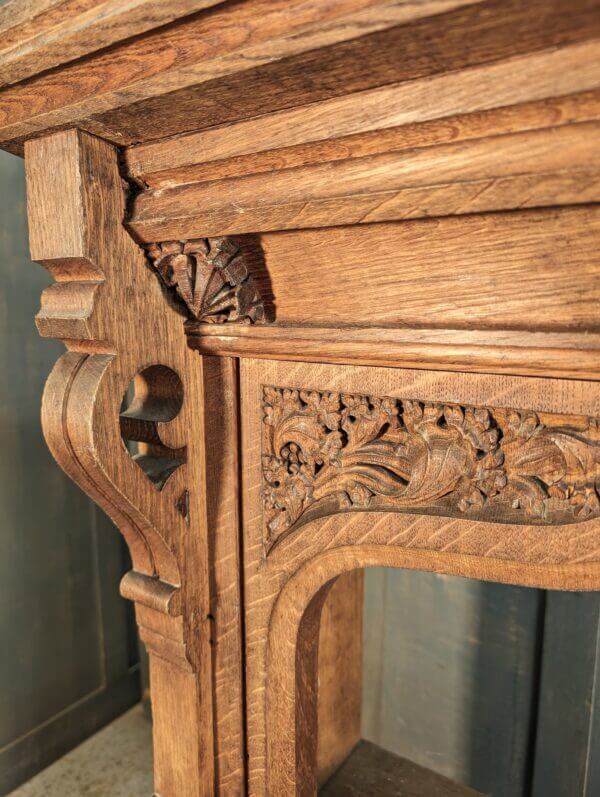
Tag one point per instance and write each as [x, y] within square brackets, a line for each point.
[116, 762]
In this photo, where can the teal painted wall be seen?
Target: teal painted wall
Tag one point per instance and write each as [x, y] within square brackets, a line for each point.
[67, 652]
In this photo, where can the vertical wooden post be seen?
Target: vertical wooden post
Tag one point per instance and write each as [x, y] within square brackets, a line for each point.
[109, 309]
[340, 673]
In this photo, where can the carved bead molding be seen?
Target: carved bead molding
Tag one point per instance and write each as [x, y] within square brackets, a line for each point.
[325, 453]
[211, 277]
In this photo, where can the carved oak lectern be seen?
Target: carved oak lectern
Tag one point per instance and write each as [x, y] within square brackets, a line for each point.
[327, 273]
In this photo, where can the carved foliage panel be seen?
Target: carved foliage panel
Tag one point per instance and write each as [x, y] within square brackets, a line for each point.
[324, 453]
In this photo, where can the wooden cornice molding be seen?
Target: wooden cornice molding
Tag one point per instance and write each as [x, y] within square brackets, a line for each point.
[210, 276]
[325, 453]
[38, 35]
[333, 131]
[228, 63]
[534, 168]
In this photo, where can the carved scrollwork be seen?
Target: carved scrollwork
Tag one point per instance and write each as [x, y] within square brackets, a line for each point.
[327, 452]
[211, 277]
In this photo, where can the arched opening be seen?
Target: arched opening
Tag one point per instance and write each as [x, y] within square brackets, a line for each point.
[427, 686]
[154, 397]
[494, 688]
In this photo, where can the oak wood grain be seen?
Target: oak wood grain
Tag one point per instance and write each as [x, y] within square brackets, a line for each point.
[76, 205]
[503, 352]
[482, 271]
[556, 166]
[388, 119]
[221, 392]
[195, 74]
[327, 453]
[492, 293]
[283, 587]
[56, 32]
[18, 19]
[399, 184]
[339, 673]
[494, 352]
[452, 42]
[206, 48]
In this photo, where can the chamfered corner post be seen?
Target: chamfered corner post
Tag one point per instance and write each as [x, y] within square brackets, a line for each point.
[123, 416]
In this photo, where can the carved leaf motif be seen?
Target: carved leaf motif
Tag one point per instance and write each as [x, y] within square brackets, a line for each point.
[438, 463]
[298, 438]
[324, 453]
[210, 276]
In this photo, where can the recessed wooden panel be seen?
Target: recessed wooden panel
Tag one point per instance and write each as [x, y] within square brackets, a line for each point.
[283, 582]
[526, 270]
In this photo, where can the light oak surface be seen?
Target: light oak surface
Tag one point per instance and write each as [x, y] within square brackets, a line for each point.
[286, 583]
[488, 351]
[42, 34]
[370, 123]
[547, 167]
[197, 51]
[381, 215]
[484, 271]
[82, 428]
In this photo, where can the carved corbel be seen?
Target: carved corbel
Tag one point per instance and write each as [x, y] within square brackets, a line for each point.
[211, 277]
[123, 415]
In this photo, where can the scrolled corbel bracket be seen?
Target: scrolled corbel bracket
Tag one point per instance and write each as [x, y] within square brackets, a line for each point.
[144, 465]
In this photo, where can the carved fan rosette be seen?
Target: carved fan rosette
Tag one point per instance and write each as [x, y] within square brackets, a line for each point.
[327, 452]
[211, 277]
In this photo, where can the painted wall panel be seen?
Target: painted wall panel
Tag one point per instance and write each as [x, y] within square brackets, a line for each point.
[450, 675]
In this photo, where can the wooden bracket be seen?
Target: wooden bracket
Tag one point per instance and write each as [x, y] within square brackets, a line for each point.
[125, 346]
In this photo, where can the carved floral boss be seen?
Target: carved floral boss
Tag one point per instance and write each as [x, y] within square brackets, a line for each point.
[327, 452]
[210, 276]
